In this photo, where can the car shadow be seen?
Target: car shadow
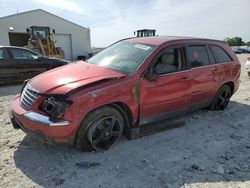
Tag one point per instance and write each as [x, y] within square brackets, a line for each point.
[212, 147]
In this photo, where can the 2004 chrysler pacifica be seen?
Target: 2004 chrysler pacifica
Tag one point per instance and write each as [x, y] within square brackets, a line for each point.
[124, 88]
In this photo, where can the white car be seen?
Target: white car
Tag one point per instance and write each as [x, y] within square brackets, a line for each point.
[248, 66]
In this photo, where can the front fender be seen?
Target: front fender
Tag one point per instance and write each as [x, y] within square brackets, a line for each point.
[124, 91]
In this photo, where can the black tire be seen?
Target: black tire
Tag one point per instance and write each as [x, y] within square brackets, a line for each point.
[221, 99]
[248, 74]
[100, 130]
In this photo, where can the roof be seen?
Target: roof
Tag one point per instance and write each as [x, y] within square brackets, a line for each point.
[41, 10]
[158, 40]
[19, 48]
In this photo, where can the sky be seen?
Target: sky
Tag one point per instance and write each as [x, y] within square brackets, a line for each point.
[112, 20]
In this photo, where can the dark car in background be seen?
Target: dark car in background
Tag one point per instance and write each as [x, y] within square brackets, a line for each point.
[17, 64]
[245, 50]
[237, 50]
[241, 50]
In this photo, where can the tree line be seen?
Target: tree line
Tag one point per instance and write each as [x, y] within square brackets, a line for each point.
[236, 41]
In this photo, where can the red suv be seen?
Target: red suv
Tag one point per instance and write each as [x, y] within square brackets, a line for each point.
[125, 88]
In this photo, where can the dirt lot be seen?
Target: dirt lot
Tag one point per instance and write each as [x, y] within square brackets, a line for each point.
[211, 150]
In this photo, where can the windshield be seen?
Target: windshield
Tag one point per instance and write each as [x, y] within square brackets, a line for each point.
[123, 56]
[40, 32]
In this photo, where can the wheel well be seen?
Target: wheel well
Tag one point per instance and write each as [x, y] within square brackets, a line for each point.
[231, 85]
[127, 115]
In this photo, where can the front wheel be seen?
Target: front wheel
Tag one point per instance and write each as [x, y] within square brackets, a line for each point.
[221, 99]
[101, 129]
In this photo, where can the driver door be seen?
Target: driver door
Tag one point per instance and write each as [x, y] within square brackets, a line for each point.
[169, 94]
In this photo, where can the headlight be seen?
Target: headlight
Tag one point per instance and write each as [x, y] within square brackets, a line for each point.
[55, 107]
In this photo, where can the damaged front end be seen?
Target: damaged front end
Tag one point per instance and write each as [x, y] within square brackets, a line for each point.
[55, 106]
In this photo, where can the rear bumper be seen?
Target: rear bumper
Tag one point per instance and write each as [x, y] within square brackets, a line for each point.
[42, 127]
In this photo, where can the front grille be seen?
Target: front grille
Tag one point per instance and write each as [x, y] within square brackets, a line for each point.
[28, 96]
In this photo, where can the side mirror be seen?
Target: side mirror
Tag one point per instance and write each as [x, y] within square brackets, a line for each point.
[152, 75]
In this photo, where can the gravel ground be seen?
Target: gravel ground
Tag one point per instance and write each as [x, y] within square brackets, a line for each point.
[211, 150]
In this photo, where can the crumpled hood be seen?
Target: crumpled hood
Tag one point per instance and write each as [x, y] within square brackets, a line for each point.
[63, 79]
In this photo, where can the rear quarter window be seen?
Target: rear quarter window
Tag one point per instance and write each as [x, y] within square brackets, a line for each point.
[220, 54]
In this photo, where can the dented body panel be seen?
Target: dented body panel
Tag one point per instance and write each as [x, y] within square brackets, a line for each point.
[67, 78]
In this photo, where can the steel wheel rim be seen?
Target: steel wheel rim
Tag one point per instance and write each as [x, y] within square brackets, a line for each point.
[105, 132]
[223, 99]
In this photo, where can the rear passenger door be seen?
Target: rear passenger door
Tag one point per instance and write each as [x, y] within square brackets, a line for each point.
[203, 82]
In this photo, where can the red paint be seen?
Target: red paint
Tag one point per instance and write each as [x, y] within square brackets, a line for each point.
[71, 76]
[168, 93]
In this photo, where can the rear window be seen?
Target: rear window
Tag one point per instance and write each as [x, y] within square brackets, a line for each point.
[197, 56]
[220, 54]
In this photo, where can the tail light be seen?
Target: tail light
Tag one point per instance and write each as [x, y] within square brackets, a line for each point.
[248, 58]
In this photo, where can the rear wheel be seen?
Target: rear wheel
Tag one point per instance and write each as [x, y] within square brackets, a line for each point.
[100, 130]
[222, 98]
[249, 74]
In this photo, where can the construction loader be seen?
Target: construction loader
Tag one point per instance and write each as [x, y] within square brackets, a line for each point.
[41, 41]
[145, 33]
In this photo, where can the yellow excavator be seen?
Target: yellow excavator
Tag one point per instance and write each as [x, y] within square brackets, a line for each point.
[41, 41]
[145, 33]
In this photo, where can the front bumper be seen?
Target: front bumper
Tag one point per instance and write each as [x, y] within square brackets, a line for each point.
[42, 127]
[45, 120]
[38, 135]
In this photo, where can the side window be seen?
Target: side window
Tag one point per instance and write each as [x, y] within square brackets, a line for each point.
[22, 54]
[169, 61]
[197, 56]
[220, 54]
[2, 54]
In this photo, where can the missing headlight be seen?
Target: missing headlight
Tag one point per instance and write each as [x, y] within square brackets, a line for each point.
[55, 107]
